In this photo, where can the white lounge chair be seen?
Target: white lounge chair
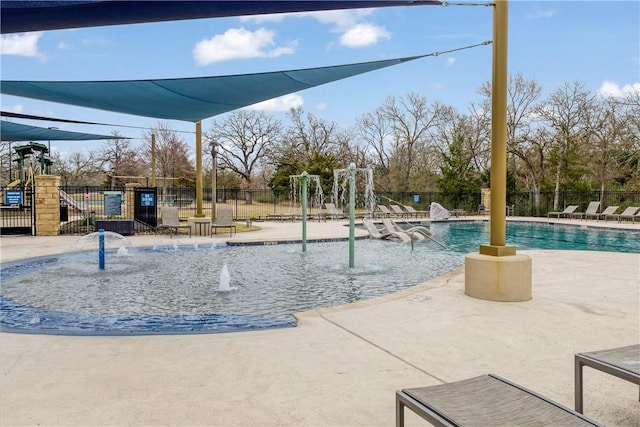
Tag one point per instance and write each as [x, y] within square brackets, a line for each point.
[386, 213]
[376, 233]
[398, 211]
[412, 211]
[629, 213]
[610, 210]
[566, 212]
[333, 212]
[592, 210]
[415, 233]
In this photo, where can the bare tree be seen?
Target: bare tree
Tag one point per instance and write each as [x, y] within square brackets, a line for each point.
[607, 142]
[119, 159]
[376, 132]
[172, 156]
[308, 134]
[79, 168]
[564, 113]
[244, 139]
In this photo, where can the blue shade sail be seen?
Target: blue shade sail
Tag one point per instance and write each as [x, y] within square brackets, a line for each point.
[10, 131]
[33, 15]
[187, 99]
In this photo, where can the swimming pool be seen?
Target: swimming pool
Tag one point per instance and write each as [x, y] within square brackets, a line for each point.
[176, 290]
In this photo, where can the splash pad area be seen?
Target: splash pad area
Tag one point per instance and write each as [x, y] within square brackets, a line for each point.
[178, 286]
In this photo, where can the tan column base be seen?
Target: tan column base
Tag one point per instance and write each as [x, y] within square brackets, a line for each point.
[498, 278]
[200, 226]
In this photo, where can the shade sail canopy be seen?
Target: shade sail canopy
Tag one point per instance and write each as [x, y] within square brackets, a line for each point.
[32, 15]
[10, 131]
[188, 99]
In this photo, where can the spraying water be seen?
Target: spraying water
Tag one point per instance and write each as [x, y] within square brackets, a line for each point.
[225, 279]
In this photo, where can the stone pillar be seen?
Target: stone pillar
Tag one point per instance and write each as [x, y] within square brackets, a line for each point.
[130, 199]
[47, 208]
[485, 198]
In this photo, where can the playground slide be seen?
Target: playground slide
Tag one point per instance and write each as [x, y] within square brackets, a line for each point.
[72, 202]
[14, 184]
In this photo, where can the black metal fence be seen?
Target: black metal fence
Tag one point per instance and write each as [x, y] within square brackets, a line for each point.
[81, 207]
[17, 211]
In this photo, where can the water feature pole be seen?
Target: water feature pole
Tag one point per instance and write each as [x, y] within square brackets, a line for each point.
[101, 249]
[304, 210]
[352, 213]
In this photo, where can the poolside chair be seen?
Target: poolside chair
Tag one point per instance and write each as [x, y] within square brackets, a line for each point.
[398, 211]
[592, 210]
[415, 233]
[610, 210]
[333, 212]
[487, 400]
[629, 213]
[411, 210]
[566, 212]
[376, 233]
[224, 219]
[386, 213]
[171, 221]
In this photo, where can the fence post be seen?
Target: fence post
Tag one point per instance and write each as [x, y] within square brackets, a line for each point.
[47, 205]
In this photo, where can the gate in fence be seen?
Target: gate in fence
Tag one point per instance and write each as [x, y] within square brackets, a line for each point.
[17, 211]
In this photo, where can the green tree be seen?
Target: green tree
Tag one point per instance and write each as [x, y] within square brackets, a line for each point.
[460, 182]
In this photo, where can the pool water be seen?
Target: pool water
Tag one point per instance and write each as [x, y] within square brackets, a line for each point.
[175, 289]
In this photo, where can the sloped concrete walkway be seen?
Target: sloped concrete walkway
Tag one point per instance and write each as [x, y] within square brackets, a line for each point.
[340, 366]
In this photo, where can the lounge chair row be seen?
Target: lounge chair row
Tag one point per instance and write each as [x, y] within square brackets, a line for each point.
[391, 230]
[171, 221]
[399, 211]
[631, 213]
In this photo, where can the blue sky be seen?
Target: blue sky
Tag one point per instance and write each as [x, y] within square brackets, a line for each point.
[595, 42]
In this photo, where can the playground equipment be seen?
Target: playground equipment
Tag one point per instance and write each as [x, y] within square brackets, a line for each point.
[32, 160]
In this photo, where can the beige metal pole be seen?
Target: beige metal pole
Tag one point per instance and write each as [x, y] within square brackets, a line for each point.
[499, 125]
[153, 159]
[199, 194]
[214, 180]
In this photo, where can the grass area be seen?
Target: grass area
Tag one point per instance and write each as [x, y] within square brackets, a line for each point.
[242, 227]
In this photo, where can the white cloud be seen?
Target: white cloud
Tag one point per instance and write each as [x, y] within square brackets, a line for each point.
[541, 14]
[239, 43]
[19, 108]
[63, 46]
[450, 61]
[280, 104]
[354, 30]
[364, 34]
[321, 106]
[21, 44]
[259, 19]
[614, 90]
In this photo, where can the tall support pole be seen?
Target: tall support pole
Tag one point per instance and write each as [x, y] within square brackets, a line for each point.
[499, 125]
[303, 197]
[352, 214]
[199, 192]
[214, 179]
[496, 272]
[153, 159]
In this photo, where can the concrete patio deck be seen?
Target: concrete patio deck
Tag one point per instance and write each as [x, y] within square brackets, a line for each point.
[340, 366]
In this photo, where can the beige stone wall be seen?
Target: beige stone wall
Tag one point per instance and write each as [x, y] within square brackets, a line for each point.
[47, 215]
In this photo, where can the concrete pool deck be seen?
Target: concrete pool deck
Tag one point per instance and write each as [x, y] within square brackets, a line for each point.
[340, 366]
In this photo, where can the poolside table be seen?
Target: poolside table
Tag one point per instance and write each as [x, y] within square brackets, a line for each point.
[622, 362]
